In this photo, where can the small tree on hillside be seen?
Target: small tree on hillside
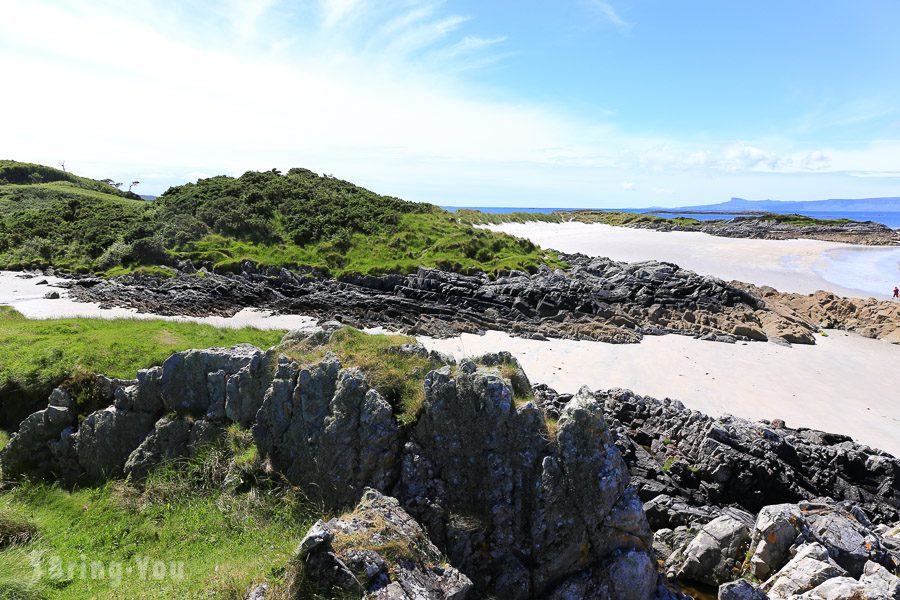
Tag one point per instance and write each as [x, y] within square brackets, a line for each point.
[133, 183]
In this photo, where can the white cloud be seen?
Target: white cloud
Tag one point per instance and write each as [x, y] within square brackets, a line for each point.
[375, 97]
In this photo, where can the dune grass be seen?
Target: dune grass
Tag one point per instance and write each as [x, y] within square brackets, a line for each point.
[610, 217]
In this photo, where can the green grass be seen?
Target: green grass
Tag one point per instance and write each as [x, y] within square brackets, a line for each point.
[220, 539]
[800, 220]
[37, 355]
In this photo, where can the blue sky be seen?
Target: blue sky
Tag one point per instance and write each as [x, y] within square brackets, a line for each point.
[525, 103]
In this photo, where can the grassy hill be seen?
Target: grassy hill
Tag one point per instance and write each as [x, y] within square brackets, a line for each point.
[297, 219]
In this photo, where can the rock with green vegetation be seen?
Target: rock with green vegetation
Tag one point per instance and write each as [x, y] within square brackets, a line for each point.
[521, 510]
[379, 552]
[325, 428]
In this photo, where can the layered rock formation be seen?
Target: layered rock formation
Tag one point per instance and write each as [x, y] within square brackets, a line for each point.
[596, 299]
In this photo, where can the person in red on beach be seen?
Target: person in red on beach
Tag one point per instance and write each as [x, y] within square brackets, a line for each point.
[896, 292]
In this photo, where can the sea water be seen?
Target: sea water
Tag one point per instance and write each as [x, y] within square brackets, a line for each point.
[872, 270]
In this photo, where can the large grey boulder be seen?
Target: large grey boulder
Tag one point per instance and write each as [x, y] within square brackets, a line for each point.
[522, 507]
[809, 568]
[106, 438]
[31, 449]
[876, 583]
[715, 555]
[379, 552]
[776, 531]
[182, 382]
[325, 428]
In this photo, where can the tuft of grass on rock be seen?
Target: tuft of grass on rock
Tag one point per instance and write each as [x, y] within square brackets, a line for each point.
[399, 377]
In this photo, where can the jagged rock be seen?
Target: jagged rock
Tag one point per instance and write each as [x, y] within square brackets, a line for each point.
[666, 541]
[169, 438]
[714, 556]
[665, 511]
[324, 427]
[728, 460]
[741, 590]
[776, 531]
[518, 508]
[879, 581]
[810, 567]
[380, 551]
[182, 382]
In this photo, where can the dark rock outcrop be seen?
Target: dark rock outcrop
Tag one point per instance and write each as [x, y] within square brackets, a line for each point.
[596, 298]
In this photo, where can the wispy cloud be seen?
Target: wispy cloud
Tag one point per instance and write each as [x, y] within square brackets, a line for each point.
[609, 13]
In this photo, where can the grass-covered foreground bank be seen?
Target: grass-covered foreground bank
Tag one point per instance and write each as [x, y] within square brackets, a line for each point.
[298, 220]
[38, 355]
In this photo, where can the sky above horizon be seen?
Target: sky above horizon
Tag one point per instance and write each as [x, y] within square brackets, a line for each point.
[577, 103]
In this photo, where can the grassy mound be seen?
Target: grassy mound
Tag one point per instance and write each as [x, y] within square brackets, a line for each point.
[296, 220]
[611, 217]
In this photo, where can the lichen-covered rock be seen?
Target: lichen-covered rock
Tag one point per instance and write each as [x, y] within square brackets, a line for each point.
[170, 438]
[181, 383]
[30, 450]
[325, 428]
[782, 528]
[714, 556]
[718, 461]
[380, 552]
[520, 508]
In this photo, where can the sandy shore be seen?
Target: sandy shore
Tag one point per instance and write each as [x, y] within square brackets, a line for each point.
[25, 295]
[845, 384]
[802, 266]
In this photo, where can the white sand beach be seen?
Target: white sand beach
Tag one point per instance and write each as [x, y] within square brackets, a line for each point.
[802, 266]
[845, 384]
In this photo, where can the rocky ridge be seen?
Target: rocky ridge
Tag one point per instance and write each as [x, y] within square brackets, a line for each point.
[520, 508]
[596, 299]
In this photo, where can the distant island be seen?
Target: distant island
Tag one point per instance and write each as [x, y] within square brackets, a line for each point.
[783, 206]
